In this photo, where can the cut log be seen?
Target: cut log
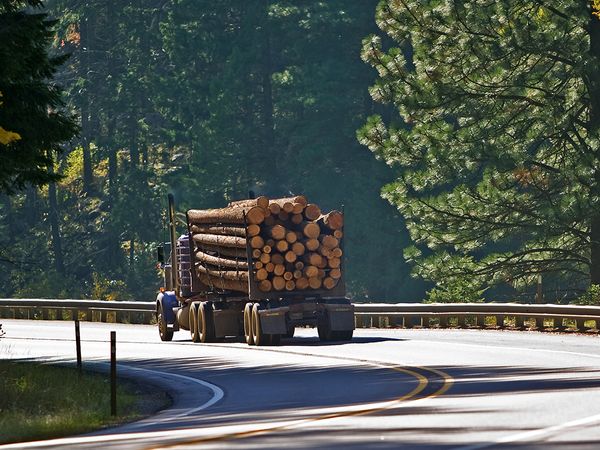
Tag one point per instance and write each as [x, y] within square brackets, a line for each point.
[287, 276]
[337, 252]
[235, 215]
[225, 274]
[221, 262]
[277, 232]
[290, 256]
[297, 199]
[302, 283]
[279, 269]
[312, 244]
[336, 274]
[265, 258]
[329, 241]
[310, 229]
[256, 253]
[323, 264]
[258, 242]
[265, 286]
[261, 274]
[334, 220]
[258, 265]
[277, 258]
[261, 201]
[329, 283]
[311, 271]
[270, 242]
[334, 263]
[221, 283]
[222, 230]
[314, 282]
[298, 248]
[282, 246]
[283, 216]
[274, 208]
[267, 249]
[299, 265]
[270, 267]
[221, 241]
[338, 234]
[278, 283]
[297, 274]
[224, 251]
[298, 209]
[314, 259]
[290, 285]
[270, 220]
[252, 230]
[297, 219]
[291, 237]
[312, 211]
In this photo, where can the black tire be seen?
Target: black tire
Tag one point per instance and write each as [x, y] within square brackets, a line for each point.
[248, 324]
[257, 333]
[206, 324]
[194, 323]
[324, 330]
[344, 335]
[290, 331]
[165, 333]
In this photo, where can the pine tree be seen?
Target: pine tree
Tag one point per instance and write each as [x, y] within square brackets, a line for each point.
[31, 102]
[496, 140]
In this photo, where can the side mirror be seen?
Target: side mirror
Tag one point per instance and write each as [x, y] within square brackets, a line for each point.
[160, 254]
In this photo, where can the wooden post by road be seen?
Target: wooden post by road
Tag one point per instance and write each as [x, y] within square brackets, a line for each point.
[113, 373]
[78, 345]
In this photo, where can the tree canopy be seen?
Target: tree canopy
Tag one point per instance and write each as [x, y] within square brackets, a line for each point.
[496, 138]
[33, 122]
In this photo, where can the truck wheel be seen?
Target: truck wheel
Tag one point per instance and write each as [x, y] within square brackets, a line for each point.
[325, 333]
[206, 324]
[164, 332]
[248, 324]
[257, 333]
[290, 331]
[194, 323]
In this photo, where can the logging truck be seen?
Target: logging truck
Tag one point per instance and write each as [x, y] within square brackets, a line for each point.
[256, 269]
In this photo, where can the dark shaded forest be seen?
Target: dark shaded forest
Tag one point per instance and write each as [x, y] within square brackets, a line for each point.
[206, 100]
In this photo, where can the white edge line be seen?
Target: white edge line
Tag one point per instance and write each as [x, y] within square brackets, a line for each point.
[217, 396]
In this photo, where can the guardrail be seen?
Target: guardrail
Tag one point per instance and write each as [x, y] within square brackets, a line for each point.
[378, 315]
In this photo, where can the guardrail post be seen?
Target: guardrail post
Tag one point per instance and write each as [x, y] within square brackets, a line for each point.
[461, 321]
[113, 373]
[557, 323]
[580, 324]
[598, 324]
[539, 323]
[500, 321]
[443, 322]
[519, 322]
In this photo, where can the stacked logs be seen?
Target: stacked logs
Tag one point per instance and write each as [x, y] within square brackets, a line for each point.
[290, 244]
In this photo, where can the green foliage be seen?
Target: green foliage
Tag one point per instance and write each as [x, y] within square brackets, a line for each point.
[31, 103]
[590, 297]
[456, 290]
[495, 137]
[41, 401]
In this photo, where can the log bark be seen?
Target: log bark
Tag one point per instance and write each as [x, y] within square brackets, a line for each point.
[261, 201]
[297, 199]
[221, 262]
[221, 283]
[312, 211]
[221, 230]
[334, 220]
[225, 274]
[233, 215]
[219, 240]
[225, 251]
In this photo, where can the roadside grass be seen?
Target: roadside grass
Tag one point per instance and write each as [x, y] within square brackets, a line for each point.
[40, 401]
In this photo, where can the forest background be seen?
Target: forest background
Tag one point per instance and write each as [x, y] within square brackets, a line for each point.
[206, 100]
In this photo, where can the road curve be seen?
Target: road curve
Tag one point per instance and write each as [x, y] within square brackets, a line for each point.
[446, 389]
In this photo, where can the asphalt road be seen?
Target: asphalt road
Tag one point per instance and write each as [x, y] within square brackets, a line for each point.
[414, 389]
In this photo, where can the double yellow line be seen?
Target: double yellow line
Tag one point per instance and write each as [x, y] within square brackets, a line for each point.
[423, 382]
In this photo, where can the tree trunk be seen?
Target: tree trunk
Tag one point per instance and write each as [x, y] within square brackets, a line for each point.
[85, 45]
[55, 229]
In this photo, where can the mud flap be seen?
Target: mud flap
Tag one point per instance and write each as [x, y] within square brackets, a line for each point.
[227, 323]
[340, 316]
[273, 320]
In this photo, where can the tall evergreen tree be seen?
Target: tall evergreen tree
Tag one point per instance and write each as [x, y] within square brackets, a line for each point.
[496, 142]
[31, 101]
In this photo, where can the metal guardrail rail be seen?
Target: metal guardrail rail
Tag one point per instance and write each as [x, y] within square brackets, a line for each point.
[379, 315]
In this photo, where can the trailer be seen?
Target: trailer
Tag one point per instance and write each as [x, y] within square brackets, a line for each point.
[195, 296]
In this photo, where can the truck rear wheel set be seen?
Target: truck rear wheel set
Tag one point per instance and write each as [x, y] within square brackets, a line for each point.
[202, 327]
[253, 331]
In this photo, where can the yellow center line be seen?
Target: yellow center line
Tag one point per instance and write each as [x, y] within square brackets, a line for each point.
[422, 384]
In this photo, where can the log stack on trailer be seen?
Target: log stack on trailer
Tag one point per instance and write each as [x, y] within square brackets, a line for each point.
[281, 245]
[257, 268]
